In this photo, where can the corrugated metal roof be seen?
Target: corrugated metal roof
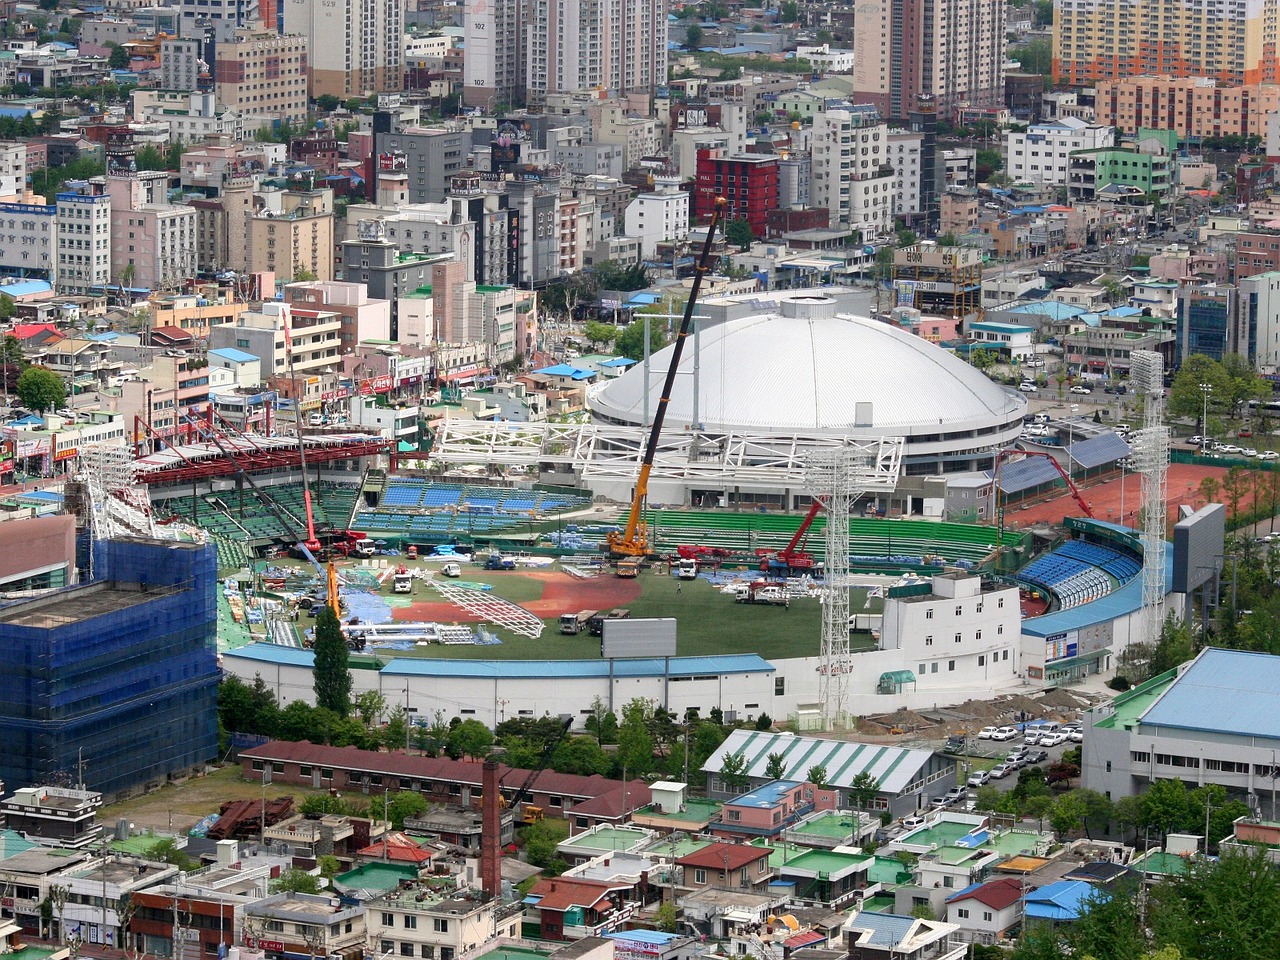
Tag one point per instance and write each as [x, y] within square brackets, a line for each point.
[1026, 474]
[1224, 691]
[234, 355]
[893, 767]
[887, 929]
[1099, 450]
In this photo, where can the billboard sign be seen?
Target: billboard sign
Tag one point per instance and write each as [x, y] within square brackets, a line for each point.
[1198, 547]
[645, 637]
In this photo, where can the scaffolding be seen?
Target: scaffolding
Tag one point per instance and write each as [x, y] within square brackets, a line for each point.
[491, 609]
[1151, 461]
[837, 478]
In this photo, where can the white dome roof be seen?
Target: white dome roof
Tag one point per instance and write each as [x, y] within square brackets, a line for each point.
[807, 373]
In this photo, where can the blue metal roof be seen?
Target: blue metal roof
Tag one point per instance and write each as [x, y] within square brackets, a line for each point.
[1224, 691]
[1027, 474]
[23, 288]
[1054, 309]
[1124, 312]
[619, 362]
[887, 929]
[766, 796]
[650, 667]
[996, 327]
[1063, 900]
[272, 653]
[1117, 603]
[655, 937]
[234, 355]
[565, 370]
[1099, 450]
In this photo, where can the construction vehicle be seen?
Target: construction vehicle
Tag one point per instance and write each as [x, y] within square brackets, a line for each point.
[451, 570]
[353, 543]
[532, 814]
[402, 580]
[793, 558]
[697, 551]
[596, 624]
[574, 623]
[631, 544]
[761, 591]
[496, 561]
[1005, 455]
[411, 552]
[628, 569]
[687, 569]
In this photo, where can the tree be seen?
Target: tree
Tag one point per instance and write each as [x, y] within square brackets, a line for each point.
[1186, 398]
[7, 308]
[601, 723]
[370, 706]
[1061, 772]
[630, 343]
[119, 59]
[611, 275]
[582, 756]
[1035, 57]
[739, 233]
[1209, 489]
[817, 775]
[733, 772]
[788, 11]
[692, 36]
[40, 389]
[542, 838]
[302, 274]
[666, 917]
[332, 678]
[1110, 925]
[1066, 815]
[983, 359]
[775, 766]
[470, 738]
[863, 790]
[405, 804]
[1235, 487]
[293, 880]
[635, 742]
[329, 866]
[328, 103]
[1165, 806]
[599, 333]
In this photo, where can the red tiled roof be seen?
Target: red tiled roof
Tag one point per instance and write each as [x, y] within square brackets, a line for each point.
[724, 856]
[25, 331]
[441, 769]
[172, 334]
[997, 894]
[557, 893]
[806, 939]
[400, 848]
[617, 803]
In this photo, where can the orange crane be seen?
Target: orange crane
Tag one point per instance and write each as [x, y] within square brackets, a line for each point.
[1066, 478]
[793, 556]
[631, 544]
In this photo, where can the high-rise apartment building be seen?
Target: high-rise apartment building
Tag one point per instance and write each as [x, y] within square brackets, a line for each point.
[520, 52]
[83, 245]
[1101, 40]
[949, 50]
[356, 47]
[1190, 106]
[748, 181]
[219, 19]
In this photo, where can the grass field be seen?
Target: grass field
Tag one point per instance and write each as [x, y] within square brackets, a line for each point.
[709, 622]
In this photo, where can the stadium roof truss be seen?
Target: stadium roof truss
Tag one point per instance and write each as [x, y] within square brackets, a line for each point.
[603, 451]
[200, 460]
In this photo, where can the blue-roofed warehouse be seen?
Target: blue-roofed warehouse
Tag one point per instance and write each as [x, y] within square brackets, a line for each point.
[1214, 720]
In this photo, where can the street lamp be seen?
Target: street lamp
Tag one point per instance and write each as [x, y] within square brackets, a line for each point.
[1205, 390]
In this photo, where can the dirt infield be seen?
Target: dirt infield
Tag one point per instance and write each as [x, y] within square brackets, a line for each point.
[1104, 499]
[561, 593]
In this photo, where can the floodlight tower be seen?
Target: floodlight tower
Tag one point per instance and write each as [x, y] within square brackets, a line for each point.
[1151, 461]
[837, 477]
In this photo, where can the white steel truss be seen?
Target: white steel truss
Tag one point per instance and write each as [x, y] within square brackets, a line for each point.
[491, 609]
[837, 477]
[1151, 460]
[603, 451]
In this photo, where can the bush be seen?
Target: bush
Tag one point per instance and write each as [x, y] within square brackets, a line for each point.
[764, 722]
[1119, 684]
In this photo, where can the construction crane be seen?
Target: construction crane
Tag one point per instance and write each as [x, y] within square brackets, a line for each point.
[535, 813]
[632, 543]
[1004, 455]
[793, 556]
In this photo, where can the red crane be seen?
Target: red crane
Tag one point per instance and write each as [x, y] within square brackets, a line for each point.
[1066, 478]
[793, 556]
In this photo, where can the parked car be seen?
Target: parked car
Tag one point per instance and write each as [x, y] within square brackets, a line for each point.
[1041, 418]
[1036, 756]
[956, 793]
[987, 733]
[1248, 452]
[1052, 739]
[911, 823]
[1005, 733]
[1033, 362]
[1269, 455]
[979, 779]
[1002, 770]
[939, 803]
[1081, 389]
[991, 205]
[1197, 439]
[1076, 735]
[955, 744]
[1028, 388]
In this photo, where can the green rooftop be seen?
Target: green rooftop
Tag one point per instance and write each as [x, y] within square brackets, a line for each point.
[677, 845]
[1129, 707]
[34, 953]
[610, 838]
[781, 852]
[831, 825]
[139, 846]
[888, 870]
[1159, 863]
[879, 904]
[696, 810]
[944, 833]
[826, 861]
[376, 876]
[514, 953]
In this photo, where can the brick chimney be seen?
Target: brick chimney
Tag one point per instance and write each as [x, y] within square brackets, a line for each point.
[491, 833]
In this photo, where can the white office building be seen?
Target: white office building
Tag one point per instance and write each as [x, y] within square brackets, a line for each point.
[904, 156]
[1041, 153]
[83, 238]
[659, 216]
[852, 177]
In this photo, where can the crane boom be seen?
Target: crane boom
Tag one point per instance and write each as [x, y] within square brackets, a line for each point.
[633, 541]
[548, 749]
[1066, 477]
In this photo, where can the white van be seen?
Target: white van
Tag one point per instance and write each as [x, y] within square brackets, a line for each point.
[1034, 731]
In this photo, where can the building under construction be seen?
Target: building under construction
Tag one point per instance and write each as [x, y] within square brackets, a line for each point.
[944, 281]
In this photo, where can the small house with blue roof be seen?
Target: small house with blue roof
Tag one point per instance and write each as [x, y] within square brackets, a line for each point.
[1064, 901]
[765, 811]
[564, 375]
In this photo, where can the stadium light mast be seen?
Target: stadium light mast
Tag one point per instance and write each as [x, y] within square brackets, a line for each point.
[1151, 461]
